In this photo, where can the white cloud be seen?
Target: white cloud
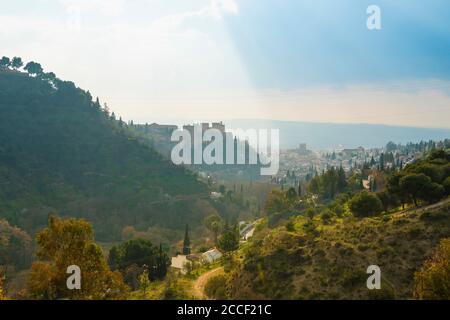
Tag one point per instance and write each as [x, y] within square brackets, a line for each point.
[215, 9]
[106, 7]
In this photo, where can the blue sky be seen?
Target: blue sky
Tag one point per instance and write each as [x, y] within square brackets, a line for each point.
[290, 43]
[184, 60]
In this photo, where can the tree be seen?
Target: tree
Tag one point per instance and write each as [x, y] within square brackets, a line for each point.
[393, 186]
[446, 185]
[415, 185]
[229, 241]
[162, 262]
[276, 202]
[2, 295]
[15, 246]
[144, 282]
[71, 242]
[291, 195]
[141, 253]
[382, 162]
[313, 186]
[432, 282]
[329, 183]
[365, 204]
[5, 62]
[214, 223]
[299, 189]
[50, 76]
[33, 68]
[342, 181]
[388, 200]
[186, 242]
[391, 146]
[16, 63]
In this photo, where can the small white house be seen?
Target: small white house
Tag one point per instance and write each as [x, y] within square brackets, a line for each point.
[211, 255]
[215, 195]
[248, 234]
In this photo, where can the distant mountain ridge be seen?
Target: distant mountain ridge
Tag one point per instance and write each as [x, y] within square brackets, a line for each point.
[329, 135]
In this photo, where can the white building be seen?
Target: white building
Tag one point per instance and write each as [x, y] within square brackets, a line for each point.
[179, 263]
[211, 255]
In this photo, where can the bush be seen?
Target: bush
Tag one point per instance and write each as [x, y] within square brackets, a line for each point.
[446, 185]
[326, 216]
[216, 287]
[433, 281]
[365, 204]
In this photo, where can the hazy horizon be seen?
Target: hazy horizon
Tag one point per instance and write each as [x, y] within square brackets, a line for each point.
[161, 61]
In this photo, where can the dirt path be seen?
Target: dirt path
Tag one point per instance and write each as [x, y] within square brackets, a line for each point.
[428, 207]
[200, 282]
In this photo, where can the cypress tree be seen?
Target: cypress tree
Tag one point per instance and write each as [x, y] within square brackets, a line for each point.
[186, 242]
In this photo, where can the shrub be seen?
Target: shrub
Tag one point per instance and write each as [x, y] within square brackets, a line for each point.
[365, 204]
[446, 185]
[433, 281]
[216, 287]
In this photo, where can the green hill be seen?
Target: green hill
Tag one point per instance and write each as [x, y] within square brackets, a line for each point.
[315, 247]
[60, 151]
[331, 262]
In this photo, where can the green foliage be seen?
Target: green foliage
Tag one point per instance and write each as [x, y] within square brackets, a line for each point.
[15, 246]
[71, 242]
[229, 240]
[446, 185]
[144, 282]
[433, 281]
[16, 63]
[215, 224]
[332, 263]
[216, 287]
[33, 68]
[174, 289]
[330, 183]
[421, 187]
[5, 62]
[388, 200]
[60, 151]
[291, 195]
[2, 295]
[424, 180]
[141, 253]
[365, 204]
[186, 242]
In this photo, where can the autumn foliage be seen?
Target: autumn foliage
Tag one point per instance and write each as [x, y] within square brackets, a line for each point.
[433, 281]
[71, 242]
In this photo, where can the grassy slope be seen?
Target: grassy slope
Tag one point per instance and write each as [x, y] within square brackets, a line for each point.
[332, 264]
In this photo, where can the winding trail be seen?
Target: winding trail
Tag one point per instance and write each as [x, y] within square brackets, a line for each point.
[200, 282]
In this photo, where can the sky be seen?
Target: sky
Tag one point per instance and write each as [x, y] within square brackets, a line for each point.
[178, 61]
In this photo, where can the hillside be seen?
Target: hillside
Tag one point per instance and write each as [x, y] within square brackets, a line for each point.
[331, 262]
[62, 152]
[319, 246]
